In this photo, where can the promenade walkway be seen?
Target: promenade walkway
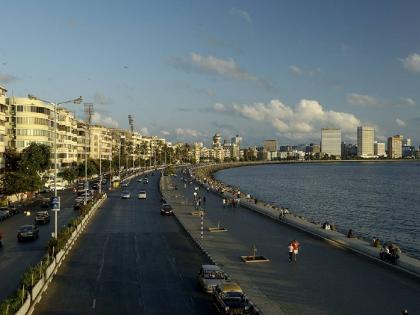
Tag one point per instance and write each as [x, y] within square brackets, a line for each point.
[325, 279]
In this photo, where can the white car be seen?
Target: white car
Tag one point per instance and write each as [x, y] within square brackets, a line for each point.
[59, 187]
[142, 194]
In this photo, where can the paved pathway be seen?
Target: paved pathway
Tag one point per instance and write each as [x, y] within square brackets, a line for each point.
[325, 280]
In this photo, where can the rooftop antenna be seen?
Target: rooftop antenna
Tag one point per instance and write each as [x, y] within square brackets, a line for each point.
[89, 112]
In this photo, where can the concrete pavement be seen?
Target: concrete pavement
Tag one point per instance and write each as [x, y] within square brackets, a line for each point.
[130, 260]
[325, 280]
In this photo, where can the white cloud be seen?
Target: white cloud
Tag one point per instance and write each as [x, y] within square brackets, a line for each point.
[407, 101]
[187, 132]
[304, 121]
[412, 62]
[400, 122]
[144, 131]
[99, 119]
[7, 78]
[219, 107]
[295, 70]
[165, 133]
[362, 100]
[212, 65]
[243, 14]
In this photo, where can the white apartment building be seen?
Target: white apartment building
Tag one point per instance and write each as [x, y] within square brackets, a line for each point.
[379, 148]
[3, 130]
[395, 147]
[331, 142]
[82, 141]
[30, 121]
[100, 143]
[67, 138]
[365, 142]
[270, 145]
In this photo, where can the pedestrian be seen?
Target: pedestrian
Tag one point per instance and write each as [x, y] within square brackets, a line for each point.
[296, 247]
[281, 215]
[290, 248]
[224, 202]
[204, 200]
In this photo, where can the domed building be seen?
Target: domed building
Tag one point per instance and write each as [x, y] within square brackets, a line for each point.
[217, 140]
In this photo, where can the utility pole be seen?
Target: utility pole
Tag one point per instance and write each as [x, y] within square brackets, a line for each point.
[131, 123]
[88, 113]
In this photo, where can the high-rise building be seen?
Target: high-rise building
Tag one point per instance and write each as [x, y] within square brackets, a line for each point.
[67, 138]
[270, 145]
[407, 142]
[331, 142]
[379, 149]
[395, 147]
[237, 140]
[365, 142]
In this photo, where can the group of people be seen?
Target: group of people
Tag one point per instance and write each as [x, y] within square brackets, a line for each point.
[390, 253]
[293, 248]
[230, 202]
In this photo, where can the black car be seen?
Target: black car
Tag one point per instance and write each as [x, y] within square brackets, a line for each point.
[166, 209]
[27, 232]
[229, 299]
[42, 217]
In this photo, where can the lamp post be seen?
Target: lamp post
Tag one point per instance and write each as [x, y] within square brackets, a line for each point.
[55, 105]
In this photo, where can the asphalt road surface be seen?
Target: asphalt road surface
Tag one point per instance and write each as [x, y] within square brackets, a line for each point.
[324, 280]
[16, 257]
[130, 260]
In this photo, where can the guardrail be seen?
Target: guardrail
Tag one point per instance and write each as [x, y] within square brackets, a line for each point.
[32, 296]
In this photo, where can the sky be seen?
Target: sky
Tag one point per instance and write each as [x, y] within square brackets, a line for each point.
[187, 69]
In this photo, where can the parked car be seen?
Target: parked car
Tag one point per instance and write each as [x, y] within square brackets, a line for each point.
[59, 187]
[25, 232]
[210, 276]
[3, 215]
[166, 209]
[229, 299]
[42, 217]
[142, 194]
[145, 181]
[6, 211]
[125, 194]
[140, 180]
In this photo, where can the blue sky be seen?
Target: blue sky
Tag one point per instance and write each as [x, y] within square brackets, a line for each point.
[186, 69]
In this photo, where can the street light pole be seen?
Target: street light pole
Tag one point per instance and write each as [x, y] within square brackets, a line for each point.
[56, 198]
[100, 165]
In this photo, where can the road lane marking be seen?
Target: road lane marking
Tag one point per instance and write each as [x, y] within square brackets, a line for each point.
[94, 303]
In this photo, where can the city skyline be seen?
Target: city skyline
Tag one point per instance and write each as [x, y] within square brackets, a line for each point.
[280, 71]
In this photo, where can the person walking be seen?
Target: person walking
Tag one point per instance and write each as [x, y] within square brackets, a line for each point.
[296, 247]
[204, 200]
[290, 248]
[224, 202]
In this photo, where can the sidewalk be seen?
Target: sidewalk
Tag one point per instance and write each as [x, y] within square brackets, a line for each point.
[325, 280]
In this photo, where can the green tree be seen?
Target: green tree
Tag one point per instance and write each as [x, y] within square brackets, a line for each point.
[91, 168]
[36, 158]
[12, 160]
[69, 174]
[15, 183]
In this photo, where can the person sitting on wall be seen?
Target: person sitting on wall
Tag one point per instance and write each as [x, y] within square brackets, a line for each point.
[375, 242]
[326, 226]
[350, 234]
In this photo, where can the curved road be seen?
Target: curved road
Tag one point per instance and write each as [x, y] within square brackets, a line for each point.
[129, 260]
[324, 280]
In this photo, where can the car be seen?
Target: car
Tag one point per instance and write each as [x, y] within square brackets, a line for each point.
[42, 217]
[125, 184]
[59, 187]
[210, 276]
[142, 194]
[125, 194]
[27, 232]
[3, 215]
[145, 181]
[229, 298]
[140, 180]
[166, 209]
[6, 211]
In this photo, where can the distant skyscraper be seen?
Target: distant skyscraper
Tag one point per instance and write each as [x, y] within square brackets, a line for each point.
[331, 141]
[237, 140]
[407, 142]
[270, 145]
[379, 149]
[395, 147]
[365, 140]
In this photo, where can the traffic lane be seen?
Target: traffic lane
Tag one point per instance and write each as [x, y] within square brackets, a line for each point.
[130, 260]
[16, 257]
[325, 280]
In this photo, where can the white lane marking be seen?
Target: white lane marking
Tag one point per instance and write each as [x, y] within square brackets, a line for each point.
[94, 303]
[101, 267]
